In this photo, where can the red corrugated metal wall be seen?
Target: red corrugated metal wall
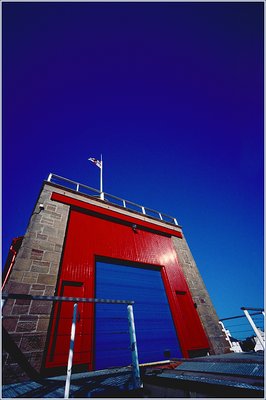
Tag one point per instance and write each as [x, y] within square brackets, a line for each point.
[90, 236]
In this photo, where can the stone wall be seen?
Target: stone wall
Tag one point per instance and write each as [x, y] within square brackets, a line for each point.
[206, 311]
[35, 272]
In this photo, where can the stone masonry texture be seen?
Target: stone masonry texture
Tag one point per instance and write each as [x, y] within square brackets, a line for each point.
[205, 309]
[34, 272]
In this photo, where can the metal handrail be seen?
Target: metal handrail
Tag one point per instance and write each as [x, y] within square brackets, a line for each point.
[132, 333]
[142, 210]
[6, 296]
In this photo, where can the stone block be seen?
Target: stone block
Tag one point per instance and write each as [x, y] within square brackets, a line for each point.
[22, 302]
[39, 268]
[26, 326]
[21, 264]
[36, 254]
[22, 288]
[56, 240]
[48, 230]
[41, 307]
[32, 342]
[10, 324]
[28, 318]
[47, 279]
[36, 227]
[37, 287]
[49, 291]
[42, 236]
[16, 276]
[25, 252]
[53, 215]
[7, 309]
[47, 246]
[43, 324]
[51, 207]
[20, 309]
[58, 248]
[47, 221]
[30, 277]
[51, 256]
[37, 292]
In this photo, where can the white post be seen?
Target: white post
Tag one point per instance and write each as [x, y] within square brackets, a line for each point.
[133, 347]
[257, 332]
[227, 336]
[101, 179]
[71, 352]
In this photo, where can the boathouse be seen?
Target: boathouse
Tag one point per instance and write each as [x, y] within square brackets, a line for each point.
[81, 244]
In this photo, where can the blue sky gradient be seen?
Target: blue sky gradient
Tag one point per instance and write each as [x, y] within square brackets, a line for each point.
[171, 94]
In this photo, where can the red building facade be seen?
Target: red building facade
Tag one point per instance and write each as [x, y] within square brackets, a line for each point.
[69, 241]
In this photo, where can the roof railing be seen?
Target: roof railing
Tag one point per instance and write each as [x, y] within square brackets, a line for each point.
[129, 205]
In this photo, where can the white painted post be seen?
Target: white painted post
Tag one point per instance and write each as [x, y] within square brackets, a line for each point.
[71, 351]
[257, 332]
[227, 336]
[49, 177]
[133, 347]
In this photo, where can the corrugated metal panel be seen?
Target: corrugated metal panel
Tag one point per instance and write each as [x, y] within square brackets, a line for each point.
[211, 381]
[223, 368]
[156, 336]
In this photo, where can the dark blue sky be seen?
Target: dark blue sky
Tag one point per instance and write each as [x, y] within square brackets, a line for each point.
[171, 94]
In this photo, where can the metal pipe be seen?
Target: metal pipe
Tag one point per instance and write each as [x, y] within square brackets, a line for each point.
[257, 332]
[134, 349]
[240, 316]
[71, 351]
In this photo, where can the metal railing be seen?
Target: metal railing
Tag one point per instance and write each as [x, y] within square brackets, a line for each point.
[253, 322]
[131, 324]
[128, 205]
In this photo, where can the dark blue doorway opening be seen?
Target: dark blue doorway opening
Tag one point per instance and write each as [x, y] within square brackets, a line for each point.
[156, 335]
